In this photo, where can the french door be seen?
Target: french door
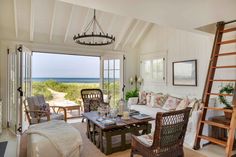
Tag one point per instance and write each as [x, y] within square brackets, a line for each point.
[12, 114]
[112, 77]
[19, 87]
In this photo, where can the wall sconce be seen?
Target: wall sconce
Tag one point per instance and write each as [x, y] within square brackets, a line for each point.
[140, 80]
[136, 80]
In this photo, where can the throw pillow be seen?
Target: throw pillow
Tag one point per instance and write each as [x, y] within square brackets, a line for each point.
[194, 105]
[148, 99]
[183, 104]
[156, 100]
[171, 103]
[142, 98]
[45, 107]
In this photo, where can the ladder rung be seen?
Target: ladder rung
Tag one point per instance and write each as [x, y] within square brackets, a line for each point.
[229, 66]
[227, 42]
[229, 30]
[226, 54]
[223, 80]
[219, 109]
[213, 140]
[220, 94]
[216, 124]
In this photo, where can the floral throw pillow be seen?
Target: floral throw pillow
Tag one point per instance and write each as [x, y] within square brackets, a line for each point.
[171, 103]
[142, 98]
[44, 107]
[156, 100]
[148, 99]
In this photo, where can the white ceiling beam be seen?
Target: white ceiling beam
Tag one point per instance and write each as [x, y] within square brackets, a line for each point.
[15, 18]
[69, 23]
[53, 21]
[32, 20]
[124, 31]
[143, 31]
[130, 34]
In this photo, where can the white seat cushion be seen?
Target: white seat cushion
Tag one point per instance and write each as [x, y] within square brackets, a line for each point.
[146, 139]
[53, 116]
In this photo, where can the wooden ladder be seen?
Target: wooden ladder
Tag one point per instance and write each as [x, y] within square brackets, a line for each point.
[207, 93]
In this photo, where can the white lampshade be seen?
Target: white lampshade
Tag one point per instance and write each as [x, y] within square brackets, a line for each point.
[140, 79]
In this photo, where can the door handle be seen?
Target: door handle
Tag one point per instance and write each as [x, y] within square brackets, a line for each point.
[20, 91]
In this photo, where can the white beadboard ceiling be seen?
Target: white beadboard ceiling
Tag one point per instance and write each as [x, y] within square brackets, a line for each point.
[183, 14]
[56, 22]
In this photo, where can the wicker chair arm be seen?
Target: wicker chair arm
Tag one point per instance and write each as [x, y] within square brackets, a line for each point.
[39, 114]
[38, 111]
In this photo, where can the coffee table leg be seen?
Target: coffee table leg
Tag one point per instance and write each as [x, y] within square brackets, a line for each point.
[123, 140]
[100, 140]
[108, 143]
[88, 129]
[93, 138]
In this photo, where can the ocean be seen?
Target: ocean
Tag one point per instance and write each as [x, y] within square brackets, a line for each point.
[69, 80]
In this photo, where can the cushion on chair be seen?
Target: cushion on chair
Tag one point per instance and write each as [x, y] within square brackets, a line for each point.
[41, 99]
[146, 139]
[53, 116]
[33, 104]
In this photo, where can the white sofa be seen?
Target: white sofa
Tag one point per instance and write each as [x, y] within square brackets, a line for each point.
[192, 124]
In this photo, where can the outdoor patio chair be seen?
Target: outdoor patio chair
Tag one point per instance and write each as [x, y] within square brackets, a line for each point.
[38, 111]
[168, 138]
[92, 99]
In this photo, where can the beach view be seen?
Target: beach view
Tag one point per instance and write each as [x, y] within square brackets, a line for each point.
[61, 77]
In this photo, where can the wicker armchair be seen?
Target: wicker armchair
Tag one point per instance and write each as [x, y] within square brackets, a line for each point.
[92, 99]
[37, 110]
[168, 137]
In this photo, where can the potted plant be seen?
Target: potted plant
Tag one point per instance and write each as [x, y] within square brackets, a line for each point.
[131, 93]
[227, 89]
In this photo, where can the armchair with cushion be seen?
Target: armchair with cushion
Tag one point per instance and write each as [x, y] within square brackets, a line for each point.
[37, 110]
[168, 137]
[92, 99]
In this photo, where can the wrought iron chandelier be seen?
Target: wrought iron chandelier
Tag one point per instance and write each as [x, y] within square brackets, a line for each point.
[93, 35]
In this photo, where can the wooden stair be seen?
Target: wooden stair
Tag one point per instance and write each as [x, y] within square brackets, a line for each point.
[208, 92]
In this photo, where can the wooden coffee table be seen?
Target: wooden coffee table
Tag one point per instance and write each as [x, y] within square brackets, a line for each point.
[71, 108]
[104, 133]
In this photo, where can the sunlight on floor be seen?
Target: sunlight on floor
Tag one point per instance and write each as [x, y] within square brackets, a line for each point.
[209, 150]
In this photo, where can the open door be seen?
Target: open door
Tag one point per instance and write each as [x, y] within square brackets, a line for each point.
[12, 114]
[19, 87]
[112, 77]
[24, 56]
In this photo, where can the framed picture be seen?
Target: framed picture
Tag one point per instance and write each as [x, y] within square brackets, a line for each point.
[185, 73]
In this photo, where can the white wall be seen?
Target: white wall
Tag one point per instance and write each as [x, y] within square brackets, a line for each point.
[180, 45]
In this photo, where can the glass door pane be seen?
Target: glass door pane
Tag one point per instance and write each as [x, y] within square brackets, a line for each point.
[112, 80]
[12, 94]
[25, 84]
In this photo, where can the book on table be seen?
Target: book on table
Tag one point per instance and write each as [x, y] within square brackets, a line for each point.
[141, 116]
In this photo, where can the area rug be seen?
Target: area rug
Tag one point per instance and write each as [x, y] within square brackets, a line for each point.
[3, 146]
[89, 149]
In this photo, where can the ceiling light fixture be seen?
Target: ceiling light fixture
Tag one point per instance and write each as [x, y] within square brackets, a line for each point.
[93, 35]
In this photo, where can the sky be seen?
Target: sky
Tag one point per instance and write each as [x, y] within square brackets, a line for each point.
[65, 66]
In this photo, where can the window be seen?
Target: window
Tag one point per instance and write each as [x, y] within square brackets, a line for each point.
[153, 68]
